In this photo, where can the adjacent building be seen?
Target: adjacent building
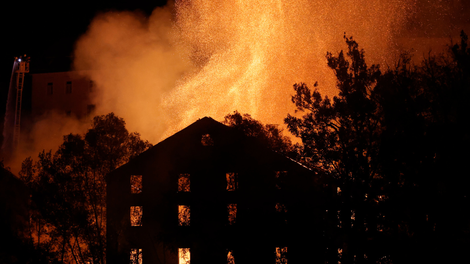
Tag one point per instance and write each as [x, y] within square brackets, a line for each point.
[209, 194]
[66, 93]
[36, 92]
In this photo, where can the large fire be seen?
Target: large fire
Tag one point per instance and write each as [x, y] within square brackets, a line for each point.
[209, 58]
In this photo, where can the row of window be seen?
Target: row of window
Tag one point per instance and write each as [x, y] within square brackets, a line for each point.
[68, 87]
[184, 181]
[184, 256]
[184, 214]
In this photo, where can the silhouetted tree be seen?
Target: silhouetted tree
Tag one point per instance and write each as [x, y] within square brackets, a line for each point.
[341, 139]
[269, 135]
[394, 143]
[423, 153]
[68, 189]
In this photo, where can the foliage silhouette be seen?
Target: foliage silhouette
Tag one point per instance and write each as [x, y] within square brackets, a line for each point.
[396, 145]
[269, 135]
[68, 189]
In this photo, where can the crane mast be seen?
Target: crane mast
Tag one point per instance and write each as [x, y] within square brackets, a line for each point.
[22, 67]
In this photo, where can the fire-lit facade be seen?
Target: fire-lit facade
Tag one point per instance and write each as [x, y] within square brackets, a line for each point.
[43, 93]
[209, 194]
[66, 93]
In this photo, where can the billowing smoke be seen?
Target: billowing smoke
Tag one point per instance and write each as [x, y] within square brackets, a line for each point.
[199, 58]
[208, 58]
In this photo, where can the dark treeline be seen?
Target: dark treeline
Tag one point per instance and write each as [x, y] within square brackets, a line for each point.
[68, 192]
[392, 143]
[395, 143]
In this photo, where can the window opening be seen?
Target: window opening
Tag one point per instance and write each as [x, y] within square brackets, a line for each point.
[207, 140]
[136, 184]
[50, 88]
[232, 213]
[68, 87]
[340, 255]
[281, 255]
[184, 183]
[184, 215]
[136, 215]
[136, 256]
[230, 257]
[280, 178]
[184, 255]
[232, 181]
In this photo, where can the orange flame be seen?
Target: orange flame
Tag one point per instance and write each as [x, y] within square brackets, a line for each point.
[215, 57]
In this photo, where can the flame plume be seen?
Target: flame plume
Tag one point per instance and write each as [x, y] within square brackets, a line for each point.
[209, 58]
[250, 53]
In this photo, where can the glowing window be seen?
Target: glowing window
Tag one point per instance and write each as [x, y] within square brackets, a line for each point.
[281, 255]
[68, 87]
[232, 181]
[136, 215]
[340, 255]
[136, 183]
[232, 213]
[184, 183]
[184, 256]
[230, 258]
[280, 178]
[184, 215]
[136, 256]
[207, 140]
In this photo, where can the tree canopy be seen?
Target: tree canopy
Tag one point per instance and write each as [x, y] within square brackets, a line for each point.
[396, 145]
[269, 135]
[69, 191]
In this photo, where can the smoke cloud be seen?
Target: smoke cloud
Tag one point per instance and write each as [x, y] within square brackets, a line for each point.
[208, 58]
[197, 58]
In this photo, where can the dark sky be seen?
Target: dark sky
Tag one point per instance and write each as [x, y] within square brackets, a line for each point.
[47, 30]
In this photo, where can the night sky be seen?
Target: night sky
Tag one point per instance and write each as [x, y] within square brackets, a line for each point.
[47, 30]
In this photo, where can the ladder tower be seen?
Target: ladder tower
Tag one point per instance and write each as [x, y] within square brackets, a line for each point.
[21, 69]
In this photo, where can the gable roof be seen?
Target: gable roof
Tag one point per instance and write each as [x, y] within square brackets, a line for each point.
[190, 136]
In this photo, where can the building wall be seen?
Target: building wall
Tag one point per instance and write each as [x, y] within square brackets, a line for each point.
[50, 93]
[258, 230]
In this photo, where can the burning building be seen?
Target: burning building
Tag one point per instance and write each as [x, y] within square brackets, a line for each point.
[210, 194]
[40, 91]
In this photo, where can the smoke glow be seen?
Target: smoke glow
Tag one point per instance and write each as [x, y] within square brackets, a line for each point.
[209, 58]
[196, 58]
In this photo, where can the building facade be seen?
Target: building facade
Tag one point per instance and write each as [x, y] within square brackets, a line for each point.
[209, 194]
[66, 93]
